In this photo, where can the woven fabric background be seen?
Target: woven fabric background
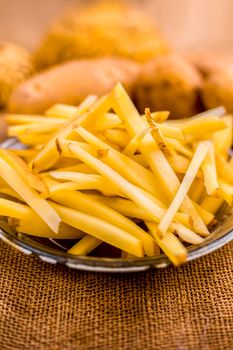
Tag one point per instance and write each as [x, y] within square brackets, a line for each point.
[47, 307]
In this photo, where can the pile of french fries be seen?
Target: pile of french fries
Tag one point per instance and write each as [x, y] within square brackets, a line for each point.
[100, 172]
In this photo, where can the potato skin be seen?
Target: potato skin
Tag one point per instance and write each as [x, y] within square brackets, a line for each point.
[217, 90]
[169, 83]
[71, 82]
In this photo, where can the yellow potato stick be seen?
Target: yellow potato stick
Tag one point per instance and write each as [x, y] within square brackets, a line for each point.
[206, 216]
[29, 222]
[108, 121]
[26, 154]
[212, 204]
[34, 140]
[67, 111]
[202, 125]
[125, 166]
[132, 146]
[133, 192]
[171, 131]
[39, 205]
[178, 163]
[169, 244]
[101, 229]
[177, 146]
[88, 205]
[48, 156]
[138, 158]
[226, 191]
[223, 139]
[210, 173]
[33, 180]
[79, 168]
[167, 178]
[156, 133]
[224, 169]
[186, 234]
[31, 129]
[85, 245]
[197, 190]
[117, 137]
[160, 116]
[82, 181]
[198, 157]
[24, 120]
[130, 209]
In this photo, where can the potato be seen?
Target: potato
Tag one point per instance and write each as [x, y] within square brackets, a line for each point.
[15, 66]
[100, 29]
[217, 90]
[209, 63]
[217, 70]
[71, 82]
[169, 83]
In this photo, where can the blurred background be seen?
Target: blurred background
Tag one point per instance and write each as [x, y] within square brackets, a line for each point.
[185, 23]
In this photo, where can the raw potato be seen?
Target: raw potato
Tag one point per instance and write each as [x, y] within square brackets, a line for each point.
[71, 82]
[15, 66]
[209, 63]
[217, 70]
[217, 90]
[169, 83]
[105, 28]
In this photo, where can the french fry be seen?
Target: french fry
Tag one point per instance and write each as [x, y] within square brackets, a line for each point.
[85, 245]
[223, 139]
[48, 156]
[199, 156]
[201, 125]
[224, 169]
[66, 111]
[87, 181]
[33, 180]
[88, 205]
[124, 107]
[169, 244]
[24, 120]
[206, 216]
[108, 121]
[130, 209]
[101, 230]
[156, 133]
[210, 173]
[39, 205]
[117, 137]
[196, 190]
[133, 145]
[26, 154]
[132, 191]
[212, 204]
[186, 234]
[31, 129]
[131, 170]
[34, 140]
[29, 222]
[177, 146]
[178, 163]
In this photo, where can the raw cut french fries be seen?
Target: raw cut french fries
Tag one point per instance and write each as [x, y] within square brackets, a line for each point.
[101, 172]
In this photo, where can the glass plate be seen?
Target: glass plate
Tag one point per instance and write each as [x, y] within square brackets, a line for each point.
[54, 251]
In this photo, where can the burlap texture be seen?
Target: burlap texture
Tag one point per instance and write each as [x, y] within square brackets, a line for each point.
[46, 307]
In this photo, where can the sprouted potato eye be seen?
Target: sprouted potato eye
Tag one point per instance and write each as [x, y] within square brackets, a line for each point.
[101, 172]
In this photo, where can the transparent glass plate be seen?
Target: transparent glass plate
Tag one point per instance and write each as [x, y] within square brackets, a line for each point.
[107, 259]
